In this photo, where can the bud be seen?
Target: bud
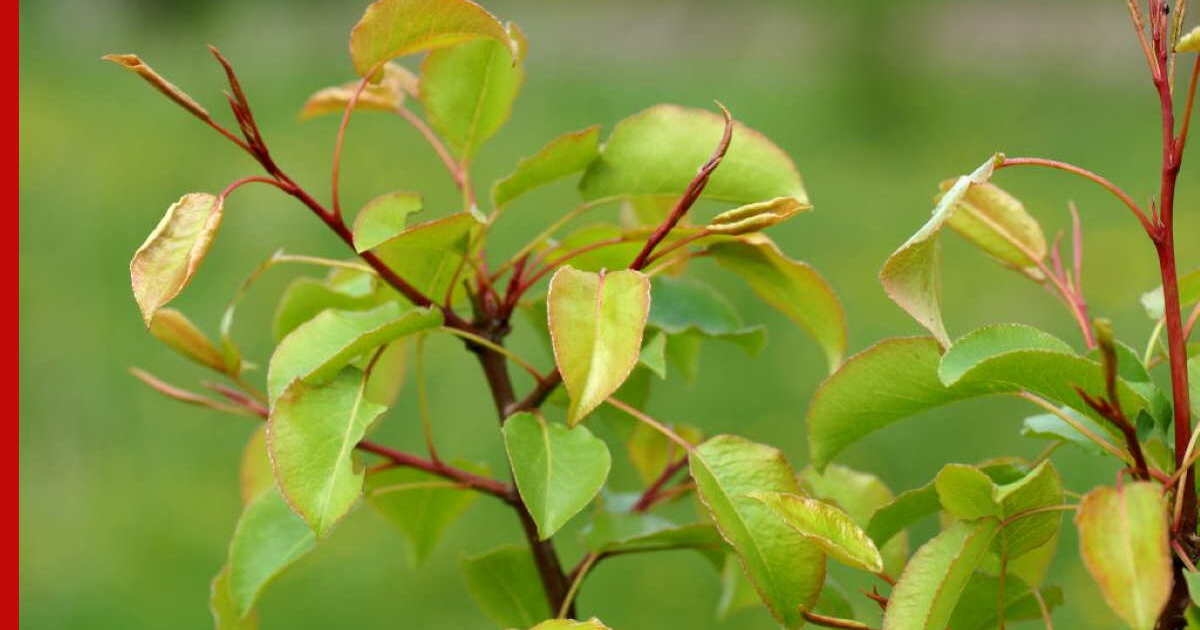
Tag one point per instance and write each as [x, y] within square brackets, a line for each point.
[997, 223]
[133, 63]
[756, 217]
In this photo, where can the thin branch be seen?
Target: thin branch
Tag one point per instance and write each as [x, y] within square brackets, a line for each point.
[652, 492]
[1082, 172]
[1075, 424]
[434, 141]
[554, 264]
[1191, 102]
[423, 399]
[495, 347]
[578, 576]
[655, 424]
[548, 232]
[340, 140]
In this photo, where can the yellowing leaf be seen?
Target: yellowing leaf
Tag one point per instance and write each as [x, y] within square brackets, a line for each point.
[828, 527]
[311, 436]
[177, 331]
[911, 276]
[558, 470]
[994, 220]
[566, 154]
[755, 217]
[1123, 541]
[166, 262]
[926, 593]
[383, 218]
[385, 96]
[394, 28]
[596, 323]
[792, 287]
[468, 90]
[786, 568]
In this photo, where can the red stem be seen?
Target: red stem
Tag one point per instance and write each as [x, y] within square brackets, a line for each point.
[652, 493]
[1083, 172]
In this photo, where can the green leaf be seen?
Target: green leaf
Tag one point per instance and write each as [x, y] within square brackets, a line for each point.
[571, 624]
[651, 452]
[911, 277]
[1189, 293]
[755, 217]
[908, 508]
[596, 324]
[825, 525]
[394, 28]
[994, 220]
[1050, 426]
[653, 355]
[977, 606]
[1123, 541]
[657, 152]
[311, 435]
[558, 470]
[386, 96]
[966, 492]
[562, 156]
[468, 89]
[892, 380]
[224, 610]
[989, 341]
[679, 306]
[306, 297]
[861, 495]
[255, 474]
[181, 335]
[383, 218]
[429, 255]
[269, 538]
[1041, 488]
[927, 591]
[420, 504]
[792, 287]
[387, 373]
[615, 255]
[634, 532]
[785, 567]
[167, 260]
[318, 349]
[504, 583]
[737, 592]
[1193, 584]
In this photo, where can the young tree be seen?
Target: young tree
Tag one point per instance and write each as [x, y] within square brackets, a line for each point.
[619, 308]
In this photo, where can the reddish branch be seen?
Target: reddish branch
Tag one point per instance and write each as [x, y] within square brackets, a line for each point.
[653, 492]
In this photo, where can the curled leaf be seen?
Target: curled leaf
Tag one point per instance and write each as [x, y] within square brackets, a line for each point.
[167, 260]
[177, 331]
[998, 224]
[385, 96]
[756, 217]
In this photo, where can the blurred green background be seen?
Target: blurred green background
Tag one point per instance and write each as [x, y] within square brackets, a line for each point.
[127, 499]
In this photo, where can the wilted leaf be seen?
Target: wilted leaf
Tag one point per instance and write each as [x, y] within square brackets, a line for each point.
[385, 96]
[786, 568]
[420, 504]
[383, 218]
[255, 474]
[792, 287]
[269, 537]
[755, 217]
[825, 525]
[318, 349]
[311, 435]
[993, 220]
[927, 591]
[1123, 541]
[657, 152]
[596, 323]
[394, 28]
[558, 470]
[911, 276]
[562, 156]
[468, 90]
[504, 583]
[892, 380]
[429, 255]
[166, 262]
[177, 331]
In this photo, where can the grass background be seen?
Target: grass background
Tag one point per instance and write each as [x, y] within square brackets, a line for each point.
[127, 500]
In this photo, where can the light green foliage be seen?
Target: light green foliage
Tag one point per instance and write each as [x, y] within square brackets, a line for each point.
[786, 568]
[1050, 426]
[181, 335]
[383, 218]
[468, 89]
[421, 505]
[318, 349]
[311, 436]
[504, 583]
[255, 473]
[1026, 531]
[386, 96]
[792, 287]
[985, 343]
[562, 156]
[1123, 541]
[306, 297]
[1189, 293]
[167, 260]
[926, 593]
[966, 492]
[861, 495]
[224, 611]
[901, 375]
[908, 507]
[657, 152]
[394, 28]
[429, 255]
[268, 539]
[682, 306]
[977, 606]
[911, 276]
[825, 525]
[596, 323]
[558, 470]
[997, 223]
